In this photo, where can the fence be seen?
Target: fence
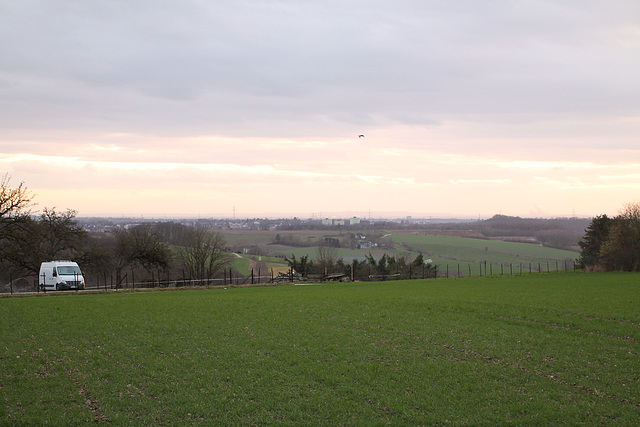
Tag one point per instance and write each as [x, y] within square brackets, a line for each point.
[128, 280]
[485, 268]
[226, 278]
[230, 278]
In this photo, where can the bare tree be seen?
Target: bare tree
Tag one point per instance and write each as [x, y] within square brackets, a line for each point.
[201, 254]
[621, 250]
[61, 235]
[327, 256]
[15, 205]
[53, 235]
[141, 245]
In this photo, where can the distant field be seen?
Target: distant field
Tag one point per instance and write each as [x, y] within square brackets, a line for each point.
[452, 252]
[541, 349]
[263, 265]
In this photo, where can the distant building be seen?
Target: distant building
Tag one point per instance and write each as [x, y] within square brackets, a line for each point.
[365, 244]
[329, 221]
[354, 221]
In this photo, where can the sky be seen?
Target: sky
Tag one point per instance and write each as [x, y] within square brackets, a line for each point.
[242, 108]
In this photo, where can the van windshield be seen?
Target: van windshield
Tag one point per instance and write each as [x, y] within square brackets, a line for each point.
[69, 270]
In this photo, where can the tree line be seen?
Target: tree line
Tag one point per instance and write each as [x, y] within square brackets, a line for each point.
[613, 244]
[27, 240]
[387, 267]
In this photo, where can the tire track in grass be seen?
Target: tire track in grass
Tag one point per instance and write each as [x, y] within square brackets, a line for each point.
[607, 319]
[566, 328]
[494, 360]
[572, 328]
[98, 416]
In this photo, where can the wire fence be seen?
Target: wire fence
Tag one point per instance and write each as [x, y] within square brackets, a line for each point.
[226, 277]
[230, 278]
[158, 279]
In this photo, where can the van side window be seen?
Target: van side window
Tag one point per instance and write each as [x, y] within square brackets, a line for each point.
[54, 272]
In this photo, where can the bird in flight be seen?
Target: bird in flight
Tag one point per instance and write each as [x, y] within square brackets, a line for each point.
[360, 136]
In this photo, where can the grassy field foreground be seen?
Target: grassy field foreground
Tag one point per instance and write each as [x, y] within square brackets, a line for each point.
[536, 349]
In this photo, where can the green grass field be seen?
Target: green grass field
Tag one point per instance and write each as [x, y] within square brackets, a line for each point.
[454, 253]
[541, 349]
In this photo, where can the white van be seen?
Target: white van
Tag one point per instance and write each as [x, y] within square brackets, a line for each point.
[60, 275]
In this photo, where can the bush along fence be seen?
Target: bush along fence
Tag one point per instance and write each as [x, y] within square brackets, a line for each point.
[137, 279]
[363, 271]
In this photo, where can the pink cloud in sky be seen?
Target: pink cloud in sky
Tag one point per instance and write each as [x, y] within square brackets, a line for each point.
[191, 108]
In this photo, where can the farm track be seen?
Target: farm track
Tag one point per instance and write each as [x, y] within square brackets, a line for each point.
[497, 361]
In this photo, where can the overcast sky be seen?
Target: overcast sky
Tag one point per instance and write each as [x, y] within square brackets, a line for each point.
[206, 108]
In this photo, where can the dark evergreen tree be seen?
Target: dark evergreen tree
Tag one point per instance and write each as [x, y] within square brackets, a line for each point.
[591, 244]
[302, 266]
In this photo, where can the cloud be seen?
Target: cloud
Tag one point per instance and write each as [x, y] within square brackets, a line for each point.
[201, 93]
[209, 68]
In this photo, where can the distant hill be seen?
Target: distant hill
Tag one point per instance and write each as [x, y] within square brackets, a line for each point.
[563, 233]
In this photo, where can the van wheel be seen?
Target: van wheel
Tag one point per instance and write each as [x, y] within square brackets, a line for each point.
[56, 287]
